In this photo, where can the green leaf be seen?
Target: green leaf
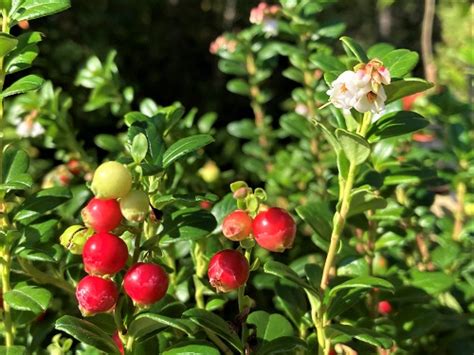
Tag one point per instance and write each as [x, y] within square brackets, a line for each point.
[27, 83]
[173, 114]
[292, 301]
[29, 298]
[363, 200]
[283, 345]
[362, 282]
[134, 116]
[318, 216]
[7, 43]
[284, 272]
[355, 147]
[379, 50]
[192, 347]
[339, 333]
[108, 142]
[25, 52]
[408, 86]
[14, 169]
[12, 350]
[232, 67]
[149, 323]
[432, 282]
[296, 125]
[87, 333]
[139, 148]
[32, 9]
[327, 62]
[344, 300]
[394, 124]
[242, 129]
[239, 87]
[215, 324]
[269, 326]
[353, 48]
[400, 62]
[40, 203]
[187, 224]
[185, 146]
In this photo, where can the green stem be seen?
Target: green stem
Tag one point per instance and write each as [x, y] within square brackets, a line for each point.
[339, 223]
[7, 320]
[6, 256]
[242, 303]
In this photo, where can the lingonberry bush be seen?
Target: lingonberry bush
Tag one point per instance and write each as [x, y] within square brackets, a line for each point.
[335, 236]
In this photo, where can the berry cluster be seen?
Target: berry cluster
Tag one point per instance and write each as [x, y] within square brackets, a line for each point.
[272, 229]
[103, 253]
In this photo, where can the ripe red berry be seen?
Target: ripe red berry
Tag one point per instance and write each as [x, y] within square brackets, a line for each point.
[118, 342]
[228, 270]
[74, 166]
[332, 352]
[102, 215]
[274, 229]
[237, 225]
[145, 283]
[96, 295]
[206, 205]
[384, 307]
[104, 254]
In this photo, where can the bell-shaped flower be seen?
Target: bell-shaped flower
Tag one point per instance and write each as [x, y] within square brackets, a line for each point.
[371, 101]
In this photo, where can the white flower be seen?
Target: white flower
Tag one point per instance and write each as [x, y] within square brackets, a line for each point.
[346, 90]
[29, 128]
[371, 101]
[270, 26]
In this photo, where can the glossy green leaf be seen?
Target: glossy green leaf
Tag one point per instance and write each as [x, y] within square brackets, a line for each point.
[25, 52]
[284, 272]
[7, 43]
[355, 147]
[283, 345]
[134, 116]
[108, 142]
[149, 323]
[379, 50]
[40, 203]
[353, 48]
[87, 333]
[408, 86]
[339, 333]
[239, 87]
[27, 83]
[318, 216]
[139, 148]
[232, 67]
[14, 170]
[296, 125]
[173, 114]
[343, 301]
[242, 129]
[192, 347]
[216, 325]
[394, 124]
[327, 62]
[362, 282]
[29, 298]
[185, 146]
[292, 301]
[432, 282]
[269, 326]
[32, 9]
[364, 200]
[400, 62]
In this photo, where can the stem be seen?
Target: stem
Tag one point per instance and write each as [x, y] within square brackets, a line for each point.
[242, 303]
[257, 108]
[339, 222]
[459, 215]
[5, 253]
[426, 40]
[7, 320]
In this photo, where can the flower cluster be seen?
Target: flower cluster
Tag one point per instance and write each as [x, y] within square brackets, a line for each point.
[362, 88]
[265, 15]
[29, 127]
[223, 43]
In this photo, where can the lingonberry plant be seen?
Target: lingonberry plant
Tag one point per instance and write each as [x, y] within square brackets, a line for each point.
[340, 233]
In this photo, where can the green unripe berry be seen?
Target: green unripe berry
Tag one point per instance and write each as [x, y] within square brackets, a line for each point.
[74, 238]
[135, 206]
[111, 180]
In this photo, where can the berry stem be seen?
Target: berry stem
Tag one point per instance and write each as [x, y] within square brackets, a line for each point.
[242, 303]
[7, 321]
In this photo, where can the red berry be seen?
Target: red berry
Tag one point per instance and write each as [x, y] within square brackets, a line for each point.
[119, 343]
[206, 205]
[96, 295]
[228, 270]
[104, 254]
[332, 352]
[384, 307]
[274, 229]
[145, 283]
[102, 215]
[237, 225]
